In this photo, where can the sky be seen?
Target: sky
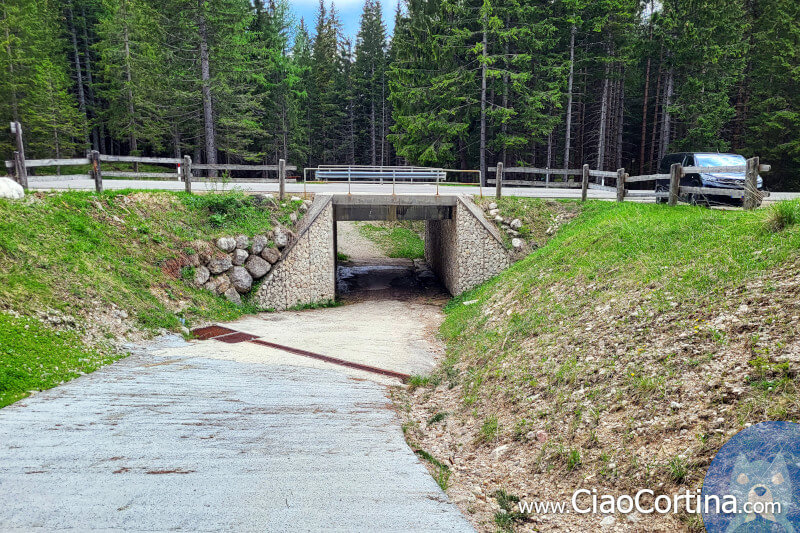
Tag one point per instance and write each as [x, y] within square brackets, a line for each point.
[349, 13]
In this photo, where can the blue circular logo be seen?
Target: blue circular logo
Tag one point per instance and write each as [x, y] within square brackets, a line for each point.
[753, 483]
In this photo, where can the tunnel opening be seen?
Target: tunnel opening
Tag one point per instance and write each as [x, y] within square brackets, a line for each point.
[380, 250]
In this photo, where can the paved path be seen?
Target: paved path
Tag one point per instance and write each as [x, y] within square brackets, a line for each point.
[206, 436]
[530, 192]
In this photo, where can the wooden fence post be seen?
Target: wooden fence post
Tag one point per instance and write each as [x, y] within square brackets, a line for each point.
[499, 180]
[20, 170]
[675, 175]
[750, 200]
[585, 183]
[281, 178]
[187, 173]
[19, 155]
[97, 173]
[621, 175]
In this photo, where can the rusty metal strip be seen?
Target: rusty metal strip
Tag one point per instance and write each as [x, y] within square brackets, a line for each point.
[334, 360]
[234, 338]
[210, 332]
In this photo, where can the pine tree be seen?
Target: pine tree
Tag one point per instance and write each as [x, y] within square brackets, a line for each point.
[772, 113]
[35, 85]
[369, 83]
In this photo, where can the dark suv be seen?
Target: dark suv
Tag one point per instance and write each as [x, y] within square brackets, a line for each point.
[730, 180]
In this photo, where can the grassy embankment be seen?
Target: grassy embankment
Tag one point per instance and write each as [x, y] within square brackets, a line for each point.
[396, 239]
[625, 351]
[79, 271]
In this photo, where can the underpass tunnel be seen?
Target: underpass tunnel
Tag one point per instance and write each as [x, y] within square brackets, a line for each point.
[380, 251]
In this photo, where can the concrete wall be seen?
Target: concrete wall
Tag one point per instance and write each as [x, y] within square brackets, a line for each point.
[306, 273]
[466, 250]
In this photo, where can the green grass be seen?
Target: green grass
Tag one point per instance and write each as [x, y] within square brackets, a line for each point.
[35, 357]
[441, 470]
[396, 239]
[675, 252]
[79, 253]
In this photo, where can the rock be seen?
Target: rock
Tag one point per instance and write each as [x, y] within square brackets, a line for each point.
[241, 279]
[493, 205]
[541, 436]
[210, 285]
[281, 237]
[517, 243]
[498, 452]
[239, 256]
[194, 260]
[201, 275]
[494, 212]
[221, 283]
[293, 218]
[232, 296]
[608, 521]
[242, 242]
[305, 206]
[11, 189]
[516, 223]
[258, 245]
[205, 250]
[498, 218]
[219, 264]
[257, 267]
[296, 199]
[271, 254]
[226, 244]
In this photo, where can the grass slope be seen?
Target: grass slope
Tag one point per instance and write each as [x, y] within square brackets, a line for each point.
[627, 350]
[93, 268]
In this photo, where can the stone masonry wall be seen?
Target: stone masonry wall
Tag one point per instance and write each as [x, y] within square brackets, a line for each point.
[306, 272]
[466, 250]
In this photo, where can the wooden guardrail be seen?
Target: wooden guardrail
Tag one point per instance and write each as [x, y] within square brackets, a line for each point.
[19, 166]
[749, 193]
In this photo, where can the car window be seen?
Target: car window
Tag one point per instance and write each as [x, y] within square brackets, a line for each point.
[719, 160]
[668, 161]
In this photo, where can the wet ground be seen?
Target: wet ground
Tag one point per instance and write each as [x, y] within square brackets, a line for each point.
[388, 279]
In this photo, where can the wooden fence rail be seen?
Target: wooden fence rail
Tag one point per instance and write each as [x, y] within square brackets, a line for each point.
[750, 194]
[183, 171]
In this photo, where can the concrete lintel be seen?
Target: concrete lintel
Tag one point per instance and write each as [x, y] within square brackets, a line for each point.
[392, 212]
[395, 199]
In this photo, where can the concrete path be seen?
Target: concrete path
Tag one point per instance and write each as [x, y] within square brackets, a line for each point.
[295, 188]
[205, 436]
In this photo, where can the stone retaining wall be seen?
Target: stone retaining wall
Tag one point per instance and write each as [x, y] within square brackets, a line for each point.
[306, 272]
[466, 250]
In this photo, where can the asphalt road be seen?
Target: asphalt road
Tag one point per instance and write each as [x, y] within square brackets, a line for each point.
[182, 439]
[295, 188]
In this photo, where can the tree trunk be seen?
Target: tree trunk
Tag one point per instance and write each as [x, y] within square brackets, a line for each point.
[568, 126]
[205, 77]
[14, 100]
[483, 106]
[666, 122]
[78, 69]
[89, 83]
[620, 116]
[654, 133]
[601, 140]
